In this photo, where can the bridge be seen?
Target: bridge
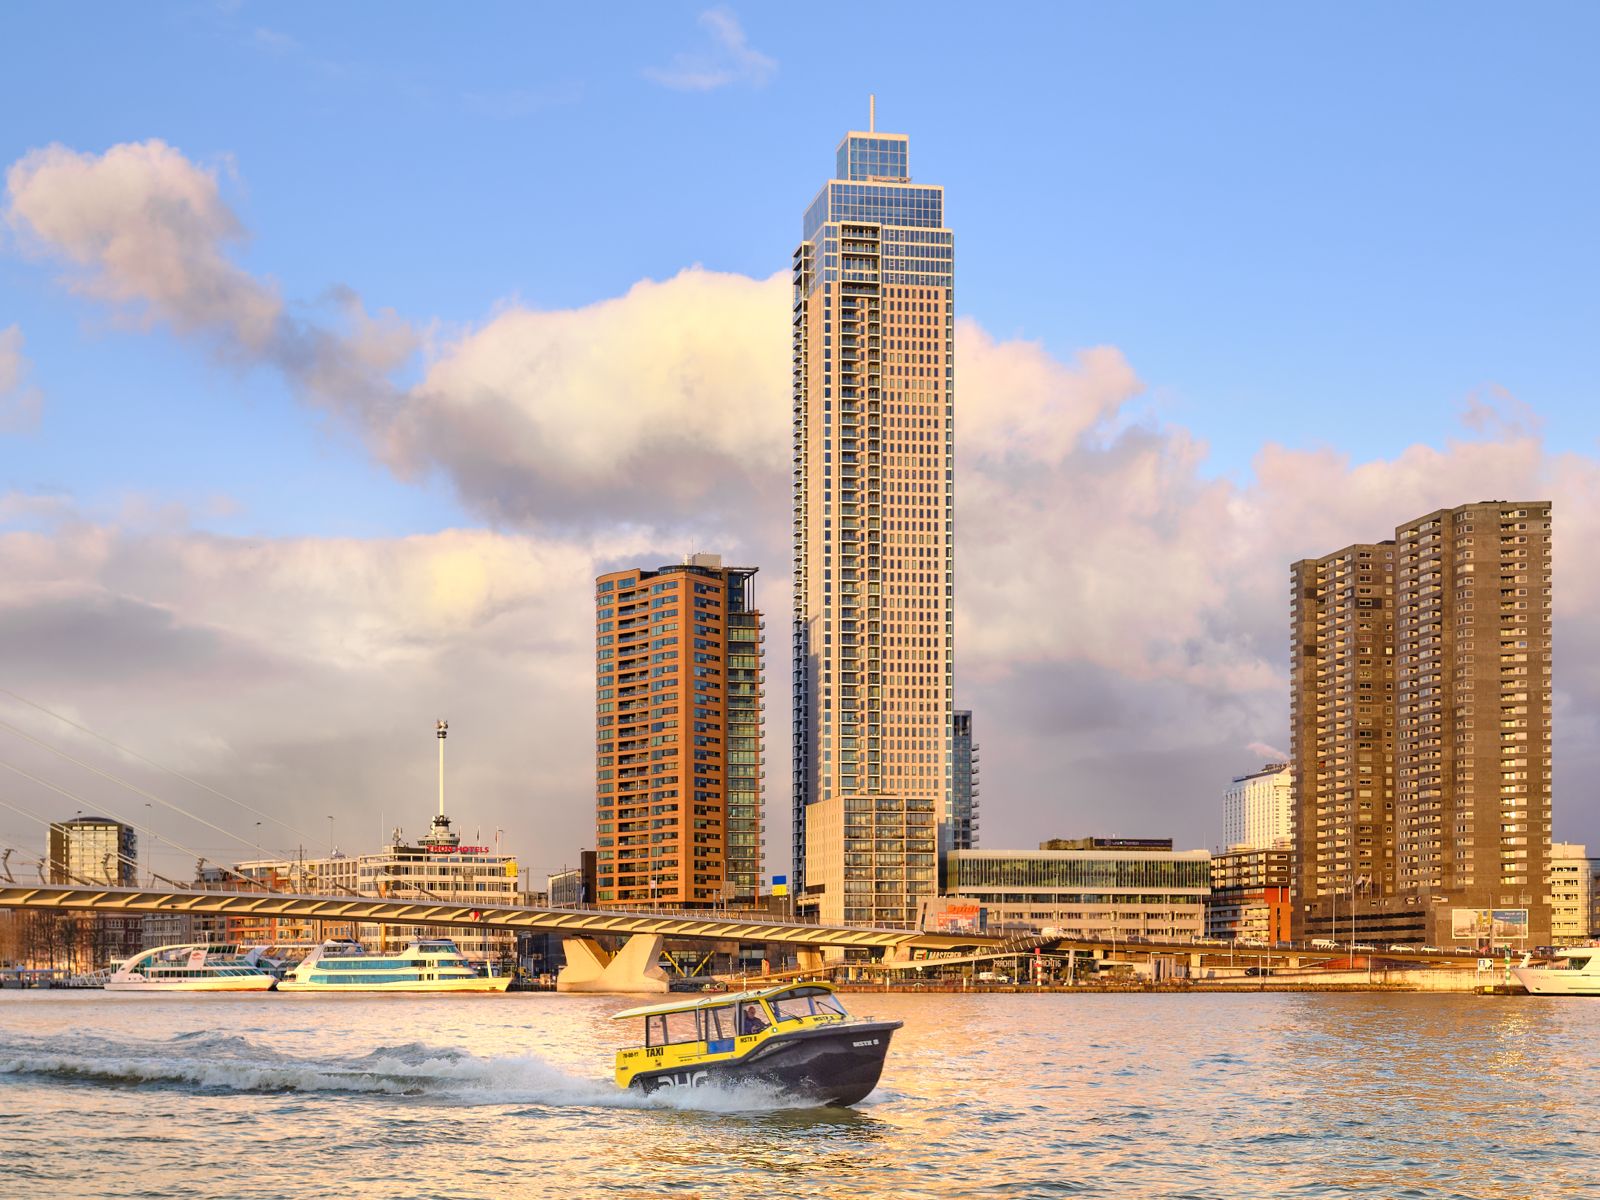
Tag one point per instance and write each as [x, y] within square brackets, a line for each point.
[590, 966]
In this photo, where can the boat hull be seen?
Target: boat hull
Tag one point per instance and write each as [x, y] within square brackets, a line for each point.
[246, 984]
[835, 1065]
[481, 984]
[1546, 981]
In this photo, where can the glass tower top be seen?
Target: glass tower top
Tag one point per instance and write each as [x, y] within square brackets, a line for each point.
[874, 156]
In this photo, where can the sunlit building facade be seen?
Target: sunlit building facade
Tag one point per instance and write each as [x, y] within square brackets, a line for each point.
[678, 712]
[874, 537]
[1258, 808]
[1156, 894]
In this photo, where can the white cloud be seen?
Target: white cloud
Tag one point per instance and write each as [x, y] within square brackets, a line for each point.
[19, 402]
[730, 59]
[1122, 615]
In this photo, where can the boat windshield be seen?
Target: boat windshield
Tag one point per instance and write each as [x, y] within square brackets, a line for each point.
[807, 1002]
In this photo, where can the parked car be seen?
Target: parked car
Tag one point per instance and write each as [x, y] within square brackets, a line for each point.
[1324, 944]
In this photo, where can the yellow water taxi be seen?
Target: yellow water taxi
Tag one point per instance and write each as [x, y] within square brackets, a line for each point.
[797, 1039]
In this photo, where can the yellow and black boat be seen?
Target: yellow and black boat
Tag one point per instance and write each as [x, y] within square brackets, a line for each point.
[797, 1039]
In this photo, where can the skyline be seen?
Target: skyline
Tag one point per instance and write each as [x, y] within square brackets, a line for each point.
[267, 536]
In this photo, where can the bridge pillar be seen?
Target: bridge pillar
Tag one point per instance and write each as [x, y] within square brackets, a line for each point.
[633, 969]
[810, 958]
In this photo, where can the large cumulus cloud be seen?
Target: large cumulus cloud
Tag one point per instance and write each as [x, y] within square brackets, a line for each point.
[1122, 615]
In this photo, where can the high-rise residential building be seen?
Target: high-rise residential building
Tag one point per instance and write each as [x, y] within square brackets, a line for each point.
[1341, 722]
[1420, 727]
[961, 831]
[1473, 704]
[1572, 897]
[874, 536]
[94, 850]
[1258, 808]
[677, 735]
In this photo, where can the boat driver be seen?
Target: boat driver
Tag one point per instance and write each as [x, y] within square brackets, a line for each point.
[754, 1022]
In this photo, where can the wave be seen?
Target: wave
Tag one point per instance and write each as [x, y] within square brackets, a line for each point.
[226, 1063]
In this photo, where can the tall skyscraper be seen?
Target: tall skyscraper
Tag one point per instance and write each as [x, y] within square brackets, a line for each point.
[874, 536]
[1258, 808]
[1420, 728]
[1473, 683]
[678, 735]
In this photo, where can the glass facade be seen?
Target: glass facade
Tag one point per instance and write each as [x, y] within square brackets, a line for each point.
[873, 156]
[1078, 873]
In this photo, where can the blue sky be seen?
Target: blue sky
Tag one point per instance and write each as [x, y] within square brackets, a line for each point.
[1316, 227]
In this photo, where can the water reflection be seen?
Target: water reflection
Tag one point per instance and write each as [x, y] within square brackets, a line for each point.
[1006, 1096]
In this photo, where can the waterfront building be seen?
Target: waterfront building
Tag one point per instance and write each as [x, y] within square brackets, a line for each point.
[1258, 808]
[94, 850]
[1420, 729]
[1155, 894]
[961, 831]
[874, 537]
[574, 887]
[678, 683]
[1251, 893]
[1107, 843]
[1572, 896]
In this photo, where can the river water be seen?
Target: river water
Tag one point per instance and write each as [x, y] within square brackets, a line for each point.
[1167, 1096]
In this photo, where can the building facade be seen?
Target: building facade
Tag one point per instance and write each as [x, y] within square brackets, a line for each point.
[961, 831]
[1258, 808]
[1251, 893]
[1420, 723]
[678, 714]
[1572, 894]
[1154, 894]
[436, 867]
[94, 850]
[874, 537]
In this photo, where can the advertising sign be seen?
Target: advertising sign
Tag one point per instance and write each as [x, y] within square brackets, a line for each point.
[1469, 924]
[961, 918]
[1509, 925]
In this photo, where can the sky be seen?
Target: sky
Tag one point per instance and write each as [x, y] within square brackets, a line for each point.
[341, 346]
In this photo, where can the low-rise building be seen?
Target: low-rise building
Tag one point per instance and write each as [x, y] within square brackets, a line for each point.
[1572, 898]
[1155, 894]
[1250, 893]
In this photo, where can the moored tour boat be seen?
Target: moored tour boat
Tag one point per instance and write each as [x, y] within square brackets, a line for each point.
[190, 968]
[797, 1039]
[425, 965]
[1578, 974]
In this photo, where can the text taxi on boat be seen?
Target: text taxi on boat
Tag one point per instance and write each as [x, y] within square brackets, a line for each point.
[797, 1039]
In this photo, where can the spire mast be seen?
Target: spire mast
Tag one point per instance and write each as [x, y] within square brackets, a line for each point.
[872, 112]
[442, 728]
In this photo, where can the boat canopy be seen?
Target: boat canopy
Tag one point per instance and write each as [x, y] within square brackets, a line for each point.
[718, 999]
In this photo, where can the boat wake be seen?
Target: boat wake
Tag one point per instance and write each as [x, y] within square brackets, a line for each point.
[228, 1063]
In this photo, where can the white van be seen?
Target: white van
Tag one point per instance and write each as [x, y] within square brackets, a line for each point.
[1324, 944]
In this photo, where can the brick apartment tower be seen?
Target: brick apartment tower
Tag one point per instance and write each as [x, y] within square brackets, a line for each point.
[1420, 726]
[874, 537]
[678, 735]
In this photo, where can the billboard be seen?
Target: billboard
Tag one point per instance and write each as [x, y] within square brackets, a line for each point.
[1489, 924]
[961, 918]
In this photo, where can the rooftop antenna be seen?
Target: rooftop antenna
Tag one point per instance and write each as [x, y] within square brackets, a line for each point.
[872, 112]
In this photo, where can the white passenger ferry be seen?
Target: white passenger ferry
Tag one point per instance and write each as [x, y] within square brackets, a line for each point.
[425, 965]
[1577, 975]
[191, 968]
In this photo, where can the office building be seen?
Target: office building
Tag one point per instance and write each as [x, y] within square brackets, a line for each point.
[1251, 893]
[874, 537]
[1107, 843]
[574, 887]
[678, 735]
[961, 831]
[1258, 808]
[1572, 896]
[1420, 729]
[1155, 894]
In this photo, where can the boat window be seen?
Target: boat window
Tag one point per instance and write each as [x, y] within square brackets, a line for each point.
[806, 1002]
[718, 1023]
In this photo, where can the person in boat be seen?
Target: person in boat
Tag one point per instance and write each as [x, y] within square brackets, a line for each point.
[754, 1022]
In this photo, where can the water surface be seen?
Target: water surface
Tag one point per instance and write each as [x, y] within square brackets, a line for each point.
[1225, 1096]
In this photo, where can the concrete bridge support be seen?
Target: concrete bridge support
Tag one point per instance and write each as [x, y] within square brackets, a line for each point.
[633, 969]
[809, 958]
